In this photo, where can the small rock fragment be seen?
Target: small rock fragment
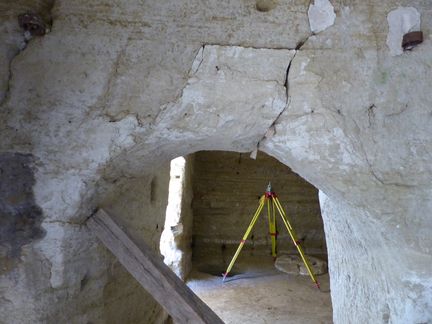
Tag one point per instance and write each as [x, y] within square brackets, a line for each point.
[293, 264]
[321, 15]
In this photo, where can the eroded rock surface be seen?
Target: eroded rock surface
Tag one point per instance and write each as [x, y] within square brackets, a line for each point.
[20, 217]
[100, 104]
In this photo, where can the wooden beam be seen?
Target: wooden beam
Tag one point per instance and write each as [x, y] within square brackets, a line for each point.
[150, 271]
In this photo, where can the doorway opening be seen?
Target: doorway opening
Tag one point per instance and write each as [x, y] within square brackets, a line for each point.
[212, 198]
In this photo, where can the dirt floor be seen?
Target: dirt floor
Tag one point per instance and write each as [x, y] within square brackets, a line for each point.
[259, 293]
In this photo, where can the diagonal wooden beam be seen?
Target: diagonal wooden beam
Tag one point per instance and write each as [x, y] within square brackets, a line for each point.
[150, 271]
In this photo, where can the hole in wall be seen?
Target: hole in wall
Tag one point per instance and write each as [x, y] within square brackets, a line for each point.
[266, 5]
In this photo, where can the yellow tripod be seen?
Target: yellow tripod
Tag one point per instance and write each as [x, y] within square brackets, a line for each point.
[270, 199]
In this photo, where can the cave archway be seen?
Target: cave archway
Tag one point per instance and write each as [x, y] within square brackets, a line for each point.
[239, 100]
[232, 102]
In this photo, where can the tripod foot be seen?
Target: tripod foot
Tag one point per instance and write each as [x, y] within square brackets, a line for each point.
[317, 285]
[224, 276]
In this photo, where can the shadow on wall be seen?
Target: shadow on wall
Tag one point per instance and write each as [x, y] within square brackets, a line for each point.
[20, 217]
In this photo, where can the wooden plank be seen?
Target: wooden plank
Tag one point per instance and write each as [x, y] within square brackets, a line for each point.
[150, 271]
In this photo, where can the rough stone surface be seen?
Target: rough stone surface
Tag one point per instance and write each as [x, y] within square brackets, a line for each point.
[176, 239]
[372, 160]
[12, 37]
[20, 217]
[293, 264]
[371, 257]
[139, 206]
[100, 102]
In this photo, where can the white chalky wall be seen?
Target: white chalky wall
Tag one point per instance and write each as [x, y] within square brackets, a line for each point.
[117, 89]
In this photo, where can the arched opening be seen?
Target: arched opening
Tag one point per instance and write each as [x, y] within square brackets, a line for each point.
[233, 101]
[212, 198]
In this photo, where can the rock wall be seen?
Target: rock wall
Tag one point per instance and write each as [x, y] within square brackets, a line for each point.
[12, 37]
[371, 117]
[185, 244]
[117, 89]
[227, 187]
[20, 216]
[139, 206]
[370, 257]
[69, 261]
[176, 238]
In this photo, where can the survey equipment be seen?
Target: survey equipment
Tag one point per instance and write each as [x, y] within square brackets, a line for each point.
[273, 204]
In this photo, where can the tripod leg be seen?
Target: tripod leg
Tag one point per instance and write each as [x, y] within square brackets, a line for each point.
[295, 241]
[272, 226]
[245, 236]
[281, 211]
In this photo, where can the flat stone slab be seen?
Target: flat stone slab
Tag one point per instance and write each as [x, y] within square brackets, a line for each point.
[293, 264]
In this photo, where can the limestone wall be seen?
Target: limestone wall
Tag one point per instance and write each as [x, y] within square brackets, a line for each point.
[227, 187]
[176, 238]
[117, 89]
[104, 291]
[139, 206]
[185, 245]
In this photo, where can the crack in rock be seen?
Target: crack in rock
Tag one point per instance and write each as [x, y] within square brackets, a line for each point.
[6, 94]
[196, 67]
[271, 130]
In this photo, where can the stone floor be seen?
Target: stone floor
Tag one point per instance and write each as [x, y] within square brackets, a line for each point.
[258, 293]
